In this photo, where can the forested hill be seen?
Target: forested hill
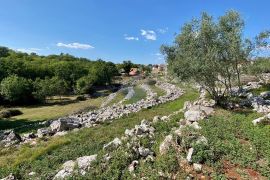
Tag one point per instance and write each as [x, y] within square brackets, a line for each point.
[30, 76]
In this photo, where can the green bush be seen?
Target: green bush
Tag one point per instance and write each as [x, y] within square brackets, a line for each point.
[9, 113]
[16, 89]
[151, 82]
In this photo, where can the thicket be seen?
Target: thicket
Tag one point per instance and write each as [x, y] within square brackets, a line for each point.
[28, 78]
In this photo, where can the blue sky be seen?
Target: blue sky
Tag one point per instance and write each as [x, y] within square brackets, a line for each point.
[114, 30]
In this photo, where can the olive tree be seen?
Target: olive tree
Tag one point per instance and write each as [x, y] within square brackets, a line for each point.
[211, 53]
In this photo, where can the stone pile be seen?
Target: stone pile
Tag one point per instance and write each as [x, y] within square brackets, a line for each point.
[109, 99]
[83, 164]
[184, 138]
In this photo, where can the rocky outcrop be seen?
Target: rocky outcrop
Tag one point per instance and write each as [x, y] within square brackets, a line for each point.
[8, 138]
[82, 163]
[64, 124]
[262, 120]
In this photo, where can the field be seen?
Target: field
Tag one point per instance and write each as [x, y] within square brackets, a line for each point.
[35, 114]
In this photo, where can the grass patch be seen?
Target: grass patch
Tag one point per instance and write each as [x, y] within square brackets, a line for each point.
[159, 91]
[265, 87]
[120, 95]
[87, 141]
[233, 137]
[32, 115]
[139, 94]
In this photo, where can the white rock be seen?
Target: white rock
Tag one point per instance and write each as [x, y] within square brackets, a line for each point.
[192, 115]
[165, 145]
[113, 144]
[133, 165]
[197, 167]
[66, 171]
[85, 162]
[189, 155]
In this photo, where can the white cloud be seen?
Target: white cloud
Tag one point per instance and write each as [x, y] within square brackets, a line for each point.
[163, 31]
[29, 50]
[75, 45]
[149, 34]
[130, 38]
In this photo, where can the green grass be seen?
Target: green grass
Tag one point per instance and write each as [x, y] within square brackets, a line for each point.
[265, 87]
[233, 137]
[47, 156]
[120, 95]
[35, 114]
[139, 94]
[159, 91]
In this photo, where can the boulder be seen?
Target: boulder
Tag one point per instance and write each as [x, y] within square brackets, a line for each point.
[64, 124]
[165, 145]
[197, 167]
[144, 152]
[84, 163]
[189, 154]
[9, 177]
[265, 95]
[66, 171]
[43, 132]
[9, 138]
[133, 165]
[193, 115]
[113, 144]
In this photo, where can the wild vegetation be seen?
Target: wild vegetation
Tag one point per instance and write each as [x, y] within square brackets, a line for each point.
[213, 53]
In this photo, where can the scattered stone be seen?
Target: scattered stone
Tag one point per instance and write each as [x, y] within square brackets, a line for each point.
[9, 177]
[144, 152]
[66, 171]
[189, 154]
[43, 132]
[133, 165]
[156, 119]
[84, 163]
[32, 173]
[197, 167]
[113, 144]
[9, 138]
[64, 124]
[165, 145]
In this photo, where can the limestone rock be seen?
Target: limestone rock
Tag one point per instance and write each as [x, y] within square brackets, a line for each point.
[165, 145]
[84, 163]
[66, 171]
[113, 144]
[64, 124]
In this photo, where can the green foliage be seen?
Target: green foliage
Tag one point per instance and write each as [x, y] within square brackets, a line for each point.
[16, 89]
[43, 70]
[260, 65]
[84, 85]
[210, 52]
[9, 113]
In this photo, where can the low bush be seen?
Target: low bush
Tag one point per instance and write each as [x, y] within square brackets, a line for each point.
[9, 113]
[81, 98]
[151, 82]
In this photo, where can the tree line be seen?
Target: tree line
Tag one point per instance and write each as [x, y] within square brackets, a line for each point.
[30, 78]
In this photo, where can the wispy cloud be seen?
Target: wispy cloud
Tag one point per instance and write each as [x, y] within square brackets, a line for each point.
[75, 45]
[149, 34]
[29, 50]
[131, 38]
[162, 30]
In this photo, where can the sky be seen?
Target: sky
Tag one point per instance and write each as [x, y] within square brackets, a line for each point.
[113, 30]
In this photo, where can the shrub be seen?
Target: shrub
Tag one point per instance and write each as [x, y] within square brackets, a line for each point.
[9, 113]
[84, 85]
[16, 89]
[81, 98]
[151, 82]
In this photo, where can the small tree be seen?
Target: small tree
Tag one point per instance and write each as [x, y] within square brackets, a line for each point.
[16, 89]
[84, 85]
[210, 53]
